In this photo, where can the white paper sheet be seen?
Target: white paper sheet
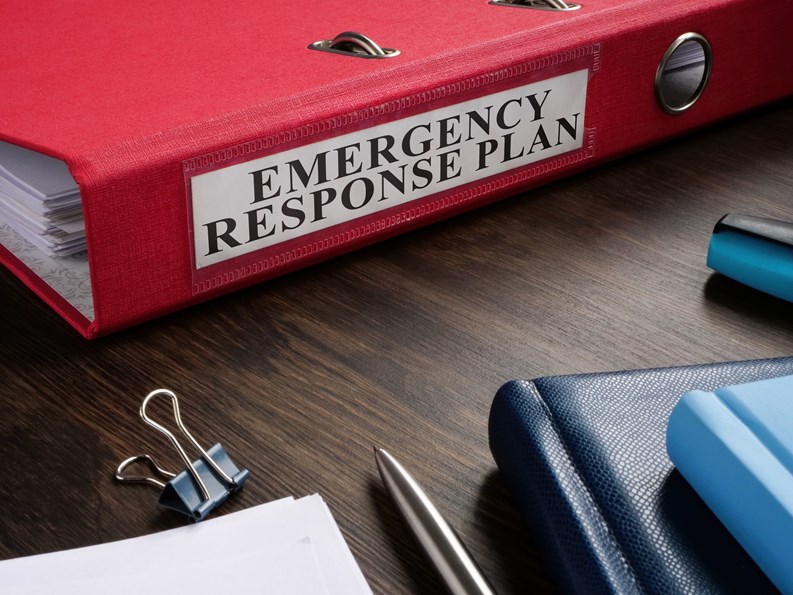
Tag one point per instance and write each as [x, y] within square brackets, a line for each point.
[287, 546]
[287, 570]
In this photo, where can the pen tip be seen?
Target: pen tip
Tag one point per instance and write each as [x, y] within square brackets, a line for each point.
[380, 456]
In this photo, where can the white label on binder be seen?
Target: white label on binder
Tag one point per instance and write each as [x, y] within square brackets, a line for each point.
[263, 202]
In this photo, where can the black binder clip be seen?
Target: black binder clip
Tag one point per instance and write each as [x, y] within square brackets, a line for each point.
[203, 485]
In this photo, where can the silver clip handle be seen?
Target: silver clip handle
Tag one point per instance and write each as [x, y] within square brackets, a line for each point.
[141, 478]
[358, 40]
[351, 43]
[177, 416]
[559, 5]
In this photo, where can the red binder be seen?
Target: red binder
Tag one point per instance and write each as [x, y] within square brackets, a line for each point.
[214, 149]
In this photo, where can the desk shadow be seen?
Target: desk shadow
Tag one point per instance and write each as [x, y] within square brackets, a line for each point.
[518, 564]
[709, 557]
[747, 301]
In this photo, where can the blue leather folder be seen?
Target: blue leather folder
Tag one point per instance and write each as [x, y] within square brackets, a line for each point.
[585, 459]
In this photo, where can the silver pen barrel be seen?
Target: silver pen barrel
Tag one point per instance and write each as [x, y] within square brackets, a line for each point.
[443, 547]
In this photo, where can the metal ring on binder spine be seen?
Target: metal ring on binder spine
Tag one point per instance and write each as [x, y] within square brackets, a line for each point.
[353, 44]
[667, 65]
[558, 5]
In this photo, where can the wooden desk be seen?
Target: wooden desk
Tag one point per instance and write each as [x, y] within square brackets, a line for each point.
[401, 345]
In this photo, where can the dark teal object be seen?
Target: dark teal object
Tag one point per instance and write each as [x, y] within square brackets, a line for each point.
[755, 251]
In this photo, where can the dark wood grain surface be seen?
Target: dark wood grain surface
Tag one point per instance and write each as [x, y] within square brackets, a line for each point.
[401, 345]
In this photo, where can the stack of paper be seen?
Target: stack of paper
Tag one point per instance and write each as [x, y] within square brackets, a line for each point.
[40, 200]
[689, 53]
[289, 547]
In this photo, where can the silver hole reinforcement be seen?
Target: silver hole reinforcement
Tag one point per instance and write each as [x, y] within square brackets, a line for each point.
[683, 73]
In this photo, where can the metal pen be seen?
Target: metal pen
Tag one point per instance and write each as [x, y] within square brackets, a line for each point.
[442, 545]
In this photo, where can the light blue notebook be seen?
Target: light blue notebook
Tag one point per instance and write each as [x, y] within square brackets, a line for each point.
[735, 447]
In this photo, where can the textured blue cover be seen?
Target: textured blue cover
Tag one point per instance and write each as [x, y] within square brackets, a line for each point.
[585, 458]
[735, 447]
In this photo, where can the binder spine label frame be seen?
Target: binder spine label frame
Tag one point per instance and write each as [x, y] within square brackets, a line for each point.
[267, 204]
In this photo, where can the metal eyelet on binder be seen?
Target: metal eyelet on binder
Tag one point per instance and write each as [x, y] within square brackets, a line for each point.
[683, 73]
[558, 5]
[204, 483]
[354, 44]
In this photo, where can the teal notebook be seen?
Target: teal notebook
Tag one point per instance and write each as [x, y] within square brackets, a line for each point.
[735, 447]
